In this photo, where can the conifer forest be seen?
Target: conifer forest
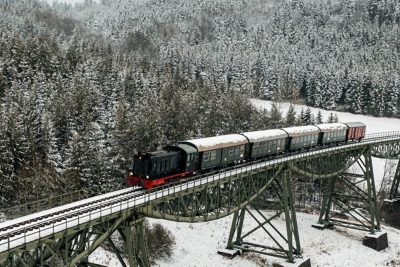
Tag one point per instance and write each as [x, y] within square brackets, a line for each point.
[84, 87]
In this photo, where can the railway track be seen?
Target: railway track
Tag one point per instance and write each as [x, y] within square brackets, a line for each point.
[31, 222]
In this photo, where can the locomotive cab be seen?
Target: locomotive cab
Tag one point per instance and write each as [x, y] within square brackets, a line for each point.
[141, 165]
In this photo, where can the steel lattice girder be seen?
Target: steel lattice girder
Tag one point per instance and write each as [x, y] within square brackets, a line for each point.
[386, 150]
[284, 245]
[213, 200]
[72, 247]
[345, 193]
[327, 166]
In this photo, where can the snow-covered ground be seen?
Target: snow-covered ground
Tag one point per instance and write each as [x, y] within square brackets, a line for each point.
[197, 244]
[374, 124]
[68, 1]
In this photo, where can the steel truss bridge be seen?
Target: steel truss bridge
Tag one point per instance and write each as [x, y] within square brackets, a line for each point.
[67, 235]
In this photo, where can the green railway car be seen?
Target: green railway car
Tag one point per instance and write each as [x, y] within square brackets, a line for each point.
[332, 133]
[302, 136]
[268, 142]
[219, 150]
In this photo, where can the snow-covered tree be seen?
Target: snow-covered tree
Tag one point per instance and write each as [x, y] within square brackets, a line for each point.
[290, 117]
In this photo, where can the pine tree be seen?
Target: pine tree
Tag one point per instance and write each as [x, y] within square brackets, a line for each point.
[319, 118]
[7, 185]
[94, 167]
[122, 146]
[290, 117]
[308, 117]
[275, 116]
[52, 156]
[332, 118]
[301, 117]
[74, 156]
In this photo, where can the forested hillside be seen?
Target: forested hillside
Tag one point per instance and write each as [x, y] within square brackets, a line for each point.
[75, 107]
[82, 89]
[335, 54]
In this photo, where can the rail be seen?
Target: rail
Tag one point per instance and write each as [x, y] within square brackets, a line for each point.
[42, 204]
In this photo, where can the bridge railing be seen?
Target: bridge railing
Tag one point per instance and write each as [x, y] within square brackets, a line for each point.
[43, 204]
[68, 220]
[384, 134]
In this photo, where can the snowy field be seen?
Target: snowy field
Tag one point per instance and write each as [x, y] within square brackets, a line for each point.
[374, 124]
[197, 244]
[67, 1]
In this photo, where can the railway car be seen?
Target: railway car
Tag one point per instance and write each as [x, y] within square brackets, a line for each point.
[267, 142]
[332, 133]
[356, 130]
[201, 155]
[219, 150]
[302, 137]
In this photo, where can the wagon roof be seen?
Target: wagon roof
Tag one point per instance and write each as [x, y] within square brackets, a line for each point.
[187, 148]
[302, 130]
[355, 124]
[216, 142]
[327, 127]
[265, 135]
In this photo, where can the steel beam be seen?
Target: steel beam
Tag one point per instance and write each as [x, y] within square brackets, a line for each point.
[214, 200]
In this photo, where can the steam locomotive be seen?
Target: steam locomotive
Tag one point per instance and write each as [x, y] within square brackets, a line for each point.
[189, 157]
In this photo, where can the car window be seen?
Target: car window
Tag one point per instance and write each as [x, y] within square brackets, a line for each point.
[213, 155]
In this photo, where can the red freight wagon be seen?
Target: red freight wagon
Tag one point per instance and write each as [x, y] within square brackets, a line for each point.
[356, 130]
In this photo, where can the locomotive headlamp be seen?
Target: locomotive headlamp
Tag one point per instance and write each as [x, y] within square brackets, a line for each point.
[147, 177]
[131, 173]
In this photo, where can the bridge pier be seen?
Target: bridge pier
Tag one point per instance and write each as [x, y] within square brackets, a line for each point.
[391, 206]
[345, 193]
[284, 245]
[135, 242]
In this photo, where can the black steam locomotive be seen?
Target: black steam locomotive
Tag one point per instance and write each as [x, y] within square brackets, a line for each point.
[152, 169]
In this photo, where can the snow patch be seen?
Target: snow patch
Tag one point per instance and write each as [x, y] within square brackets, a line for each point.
[332, 126]
[260, 136]
[216, 142]
[72, 2]
[300, 130]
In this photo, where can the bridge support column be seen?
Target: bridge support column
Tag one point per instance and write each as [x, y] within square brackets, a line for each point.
[346, 192]
[390, 210]
[394, 190]
[323, 220]
[133, 234]
[284, 245]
